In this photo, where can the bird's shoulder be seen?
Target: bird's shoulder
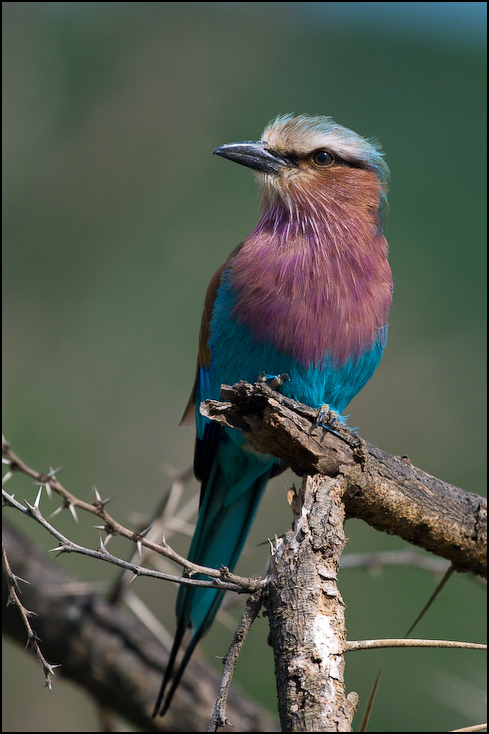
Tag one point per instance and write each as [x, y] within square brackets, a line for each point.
[204, 352]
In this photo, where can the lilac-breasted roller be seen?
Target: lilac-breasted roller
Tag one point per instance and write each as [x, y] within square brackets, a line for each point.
[307, 294]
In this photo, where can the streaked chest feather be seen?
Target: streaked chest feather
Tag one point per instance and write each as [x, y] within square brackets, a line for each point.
[319, 290]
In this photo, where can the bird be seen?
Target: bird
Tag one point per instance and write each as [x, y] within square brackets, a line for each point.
[306, 295]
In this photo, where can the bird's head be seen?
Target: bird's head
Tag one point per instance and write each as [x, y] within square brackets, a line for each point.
[303, 160]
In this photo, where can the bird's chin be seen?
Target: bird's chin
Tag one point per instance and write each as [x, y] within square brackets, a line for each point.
[274, 192]
[270, 184]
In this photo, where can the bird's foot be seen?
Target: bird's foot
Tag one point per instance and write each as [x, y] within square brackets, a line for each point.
[275, 381]
[326, 417]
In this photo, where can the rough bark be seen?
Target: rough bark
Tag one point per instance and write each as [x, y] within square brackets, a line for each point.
[386, 491]
[306, 613]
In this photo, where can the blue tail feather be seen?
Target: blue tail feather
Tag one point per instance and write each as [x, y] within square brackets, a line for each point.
[232, 487]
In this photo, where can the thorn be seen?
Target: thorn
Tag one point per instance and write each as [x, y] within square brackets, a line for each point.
[98, 501]
[7, 476]
[53, 472]
[48, 490]
[140, 547]
[31, 639]
[65, 550]
[16, 579]
[58, 548]
[38, 499]
[49, 669]
[31, 507]
[73, 511]
[57, 511]
[144, 533]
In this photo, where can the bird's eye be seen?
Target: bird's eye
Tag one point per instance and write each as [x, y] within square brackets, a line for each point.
[322, 158]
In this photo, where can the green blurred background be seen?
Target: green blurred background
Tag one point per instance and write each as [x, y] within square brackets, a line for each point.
[115, 217]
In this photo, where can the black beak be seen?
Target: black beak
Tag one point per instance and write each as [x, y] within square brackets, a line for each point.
[254, 154]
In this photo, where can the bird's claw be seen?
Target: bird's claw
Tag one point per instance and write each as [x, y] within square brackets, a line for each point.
[326, 417]
[275, 381]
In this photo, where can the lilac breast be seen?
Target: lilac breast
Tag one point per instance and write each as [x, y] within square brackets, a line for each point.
[320, 287]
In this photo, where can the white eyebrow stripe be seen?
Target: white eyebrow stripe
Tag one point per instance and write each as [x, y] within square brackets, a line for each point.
[304, 134]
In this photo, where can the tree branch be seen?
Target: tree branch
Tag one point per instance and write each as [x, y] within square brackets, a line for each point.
[219, 717]
[306, 614]
[102, 554]
[108, 652]
[223, 577]
[386, 491]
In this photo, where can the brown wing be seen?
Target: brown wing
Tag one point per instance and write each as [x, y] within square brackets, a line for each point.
[204, 353]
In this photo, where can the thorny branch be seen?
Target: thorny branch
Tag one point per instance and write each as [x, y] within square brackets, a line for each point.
[252, 608]
[32, 639]
[113, 655]
[102, 554]
[223, 578]
[145, 541]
